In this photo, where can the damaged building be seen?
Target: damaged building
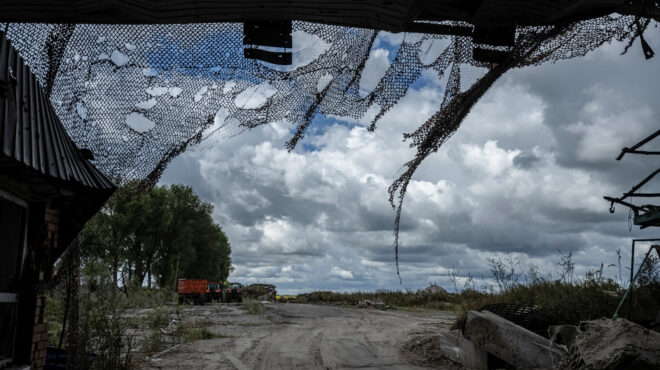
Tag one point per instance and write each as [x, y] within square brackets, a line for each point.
[48, 186]
[48, 190]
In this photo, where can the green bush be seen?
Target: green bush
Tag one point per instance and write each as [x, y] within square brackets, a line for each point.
[189, 332]
[197, 334]
[158, 318]
[254, 307]
[152, 343]
[564, 301]
[393, 298]
[146, 298]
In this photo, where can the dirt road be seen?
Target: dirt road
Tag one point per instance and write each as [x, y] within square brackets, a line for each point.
[302, 336]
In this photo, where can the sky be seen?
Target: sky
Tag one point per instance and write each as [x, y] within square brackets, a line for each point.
[522, 178]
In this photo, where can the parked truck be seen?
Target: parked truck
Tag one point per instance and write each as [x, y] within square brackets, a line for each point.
[234, 292]
[215, 292]
[193, 291]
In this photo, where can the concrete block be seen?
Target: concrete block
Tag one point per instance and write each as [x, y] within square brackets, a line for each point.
[512, 343]
[462, 351]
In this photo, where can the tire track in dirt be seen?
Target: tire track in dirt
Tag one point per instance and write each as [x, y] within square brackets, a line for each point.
[303, 336]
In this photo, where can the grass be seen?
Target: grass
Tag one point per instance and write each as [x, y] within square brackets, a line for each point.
[193, 334]
[253, 306]
[566, 300]
[158, 318]
[393, 298]
[152, 343]
[189, 332]
[563, 301]
[557, 302]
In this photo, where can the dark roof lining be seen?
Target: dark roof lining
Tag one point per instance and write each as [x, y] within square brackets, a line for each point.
[391, 15]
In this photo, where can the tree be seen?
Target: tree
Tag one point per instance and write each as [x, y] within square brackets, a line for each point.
[144, 235]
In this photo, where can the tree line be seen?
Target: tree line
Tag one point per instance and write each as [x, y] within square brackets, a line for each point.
[152, 237]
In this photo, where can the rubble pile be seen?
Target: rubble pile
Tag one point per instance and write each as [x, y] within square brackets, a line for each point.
[376, 303]
[489, 340]
[608, 344]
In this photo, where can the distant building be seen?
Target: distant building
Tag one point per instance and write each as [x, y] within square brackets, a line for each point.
[48, 190]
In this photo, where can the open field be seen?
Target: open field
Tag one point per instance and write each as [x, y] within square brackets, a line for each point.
[300, 336]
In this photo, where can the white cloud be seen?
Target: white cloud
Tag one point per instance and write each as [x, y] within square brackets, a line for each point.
[489, 159]
[254, 96]
[525, 174]
[341, 273]
[374, 70]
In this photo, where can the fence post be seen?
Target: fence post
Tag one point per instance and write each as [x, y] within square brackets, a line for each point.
[632, 268]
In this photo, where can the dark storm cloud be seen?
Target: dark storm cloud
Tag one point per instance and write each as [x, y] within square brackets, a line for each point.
[525, 160]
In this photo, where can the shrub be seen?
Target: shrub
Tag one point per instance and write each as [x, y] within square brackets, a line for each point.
[254, 307]
[197, 334]
[152, 343]
[158, 318]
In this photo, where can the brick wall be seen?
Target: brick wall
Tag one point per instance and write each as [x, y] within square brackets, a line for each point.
[40, 332]
[52, 220]
[39, 343]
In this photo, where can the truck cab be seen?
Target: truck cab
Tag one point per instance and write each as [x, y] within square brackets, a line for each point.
[214, 292]
[234, 292]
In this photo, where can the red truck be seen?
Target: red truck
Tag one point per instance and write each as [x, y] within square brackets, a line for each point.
[192, 291]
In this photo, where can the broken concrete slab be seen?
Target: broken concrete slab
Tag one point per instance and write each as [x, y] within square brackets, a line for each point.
[462, 351]
[510, 342]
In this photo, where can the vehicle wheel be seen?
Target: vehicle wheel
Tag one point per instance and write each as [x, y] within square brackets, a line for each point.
[180, 300]
[240, 299]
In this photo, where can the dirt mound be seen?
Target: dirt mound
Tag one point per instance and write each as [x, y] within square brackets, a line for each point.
[607, 344]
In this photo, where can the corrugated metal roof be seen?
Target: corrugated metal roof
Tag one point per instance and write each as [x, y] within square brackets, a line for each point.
[30, 131]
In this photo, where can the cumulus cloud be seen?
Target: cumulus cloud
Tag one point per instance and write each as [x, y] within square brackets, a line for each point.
[341, 273]
[524, 176]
